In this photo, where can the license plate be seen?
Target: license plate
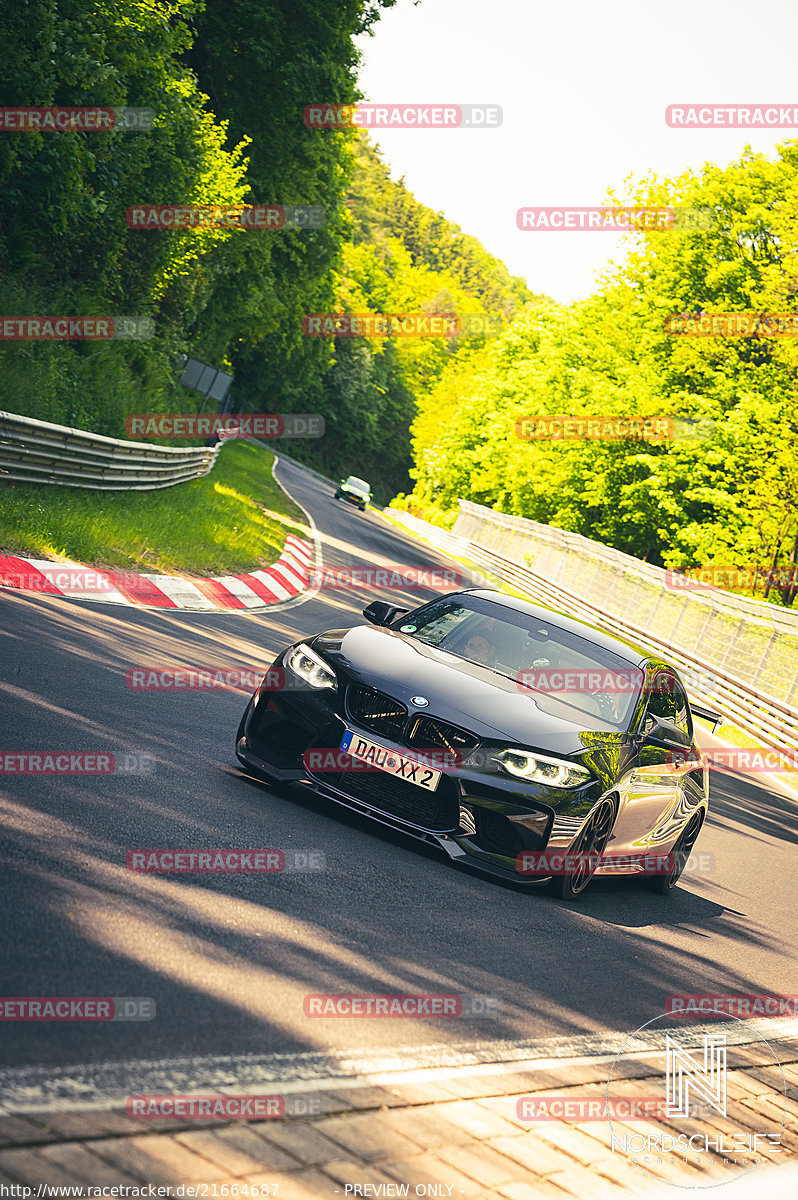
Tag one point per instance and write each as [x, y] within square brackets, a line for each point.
[390, 762]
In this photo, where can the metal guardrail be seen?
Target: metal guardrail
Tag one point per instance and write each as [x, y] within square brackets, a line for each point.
[765, 717]
[310, 471]
[39, 452]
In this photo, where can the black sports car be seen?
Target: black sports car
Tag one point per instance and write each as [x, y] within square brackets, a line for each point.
[496, 729]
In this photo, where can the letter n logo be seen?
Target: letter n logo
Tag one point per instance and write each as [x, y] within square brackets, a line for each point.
[687, 1076]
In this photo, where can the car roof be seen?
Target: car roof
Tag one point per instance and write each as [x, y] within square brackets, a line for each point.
[626, 650]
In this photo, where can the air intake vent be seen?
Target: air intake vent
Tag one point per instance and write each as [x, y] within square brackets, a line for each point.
[428, 733]
[376, 711]
[434, 811]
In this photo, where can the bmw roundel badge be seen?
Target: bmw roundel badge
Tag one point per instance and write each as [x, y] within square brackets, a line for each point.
[419, 701]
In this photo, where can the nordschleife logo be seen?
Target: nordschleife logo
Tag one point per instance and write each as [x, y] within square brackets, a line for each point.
[688, 1077]
[708, 1133]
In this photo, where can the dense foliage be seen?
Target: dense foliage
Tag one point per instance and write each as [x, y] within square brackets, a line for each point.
[723, 490]
[401, 257]
[228, 81]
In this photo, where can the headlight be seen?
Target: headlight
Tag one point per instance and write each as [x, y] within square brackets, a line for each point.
[556, 772]
[313, 670]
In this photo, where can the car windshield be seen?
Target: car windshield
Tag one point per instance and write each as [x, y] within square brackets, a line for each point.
[554, 666]
[354, 482]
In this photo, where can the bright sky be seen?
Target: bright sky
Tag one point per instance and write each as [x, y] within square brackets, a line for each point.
[583, 87]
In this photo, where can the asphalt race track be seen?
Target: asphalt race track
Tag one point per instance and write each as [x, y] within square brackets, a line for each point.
[228, 959]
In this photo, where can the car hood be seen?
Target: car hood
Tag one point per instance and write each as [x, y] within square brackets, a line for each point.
[489, 705]
[356, 491]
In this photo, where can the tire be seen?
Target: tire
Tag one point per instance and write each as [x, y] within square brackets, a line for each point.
[663, 885]
[338, 495]
[591, 841]
[362, 507]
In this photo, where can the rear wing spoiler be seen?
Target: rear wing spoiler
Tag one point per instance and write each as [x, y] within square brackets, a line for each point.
[715, 719]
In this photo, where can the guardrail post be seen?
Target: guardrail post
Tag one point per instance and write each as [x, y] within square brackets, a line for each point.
[731, 645]
[792, 690]
[632, 599]
[762, 660]
[597, 571]
[653, 612]
[676, 623]
[703, 628]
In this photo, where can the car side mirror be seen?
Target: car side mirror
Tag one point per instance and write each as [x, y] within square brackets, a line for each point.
[667, 735]
[379, 612]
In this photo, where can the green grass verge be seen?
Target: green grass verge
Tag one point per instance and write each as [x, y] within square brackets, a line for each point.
[231, 521]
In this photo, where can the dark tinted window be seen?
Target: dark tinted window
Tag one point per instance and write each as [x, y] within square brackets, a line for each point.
[558, 668]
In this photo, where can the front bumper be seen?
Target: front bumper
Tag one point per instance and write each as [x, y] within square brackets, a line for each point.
[457, 846]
